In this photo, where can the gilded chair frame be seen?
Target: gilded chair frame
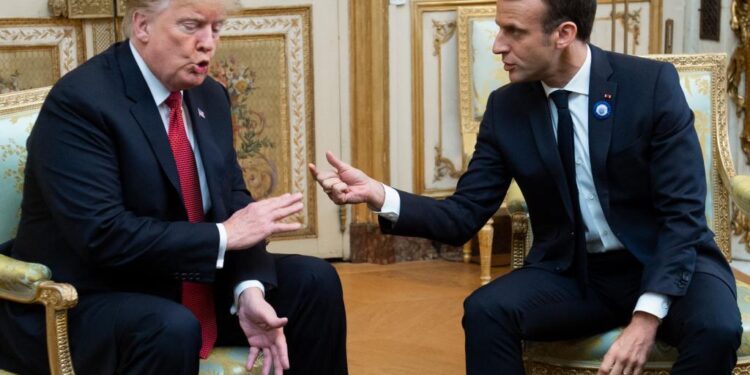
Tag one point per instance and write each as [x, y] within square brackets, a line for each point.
[725, 187]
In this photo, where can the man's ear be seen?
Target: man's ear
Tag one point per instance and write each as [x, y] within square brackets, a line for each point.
[141, 27]
[566, 34]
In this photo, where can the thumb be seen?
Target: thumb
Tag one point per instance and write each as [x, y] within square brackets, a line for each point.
[274, 322]
[336, 163]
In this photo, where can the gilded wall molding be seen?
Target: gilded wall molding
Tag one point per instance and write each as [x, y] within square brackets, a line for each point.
[294, 25]
[80, 9]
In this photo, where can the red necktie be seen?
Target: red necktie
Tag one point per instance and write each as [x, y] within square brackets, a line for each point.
[197, 297]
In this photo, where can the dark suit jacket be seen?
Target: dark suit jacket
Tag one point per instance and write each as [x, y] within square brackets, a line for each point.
[646, 163]
[102, 205]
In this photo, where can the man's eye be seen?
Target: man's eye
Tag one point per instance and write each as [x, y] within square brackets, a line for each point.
[189, 26]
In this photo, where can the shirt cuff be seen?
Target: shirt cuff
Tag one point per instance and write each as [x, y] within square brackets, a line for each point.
[653, 303]
[391, 204]
[241, 288]
[222, 246]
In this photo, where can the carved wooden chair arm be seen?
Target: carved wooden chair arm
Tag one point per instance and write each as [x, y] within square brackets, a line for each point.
[30, 283]
[520, 233]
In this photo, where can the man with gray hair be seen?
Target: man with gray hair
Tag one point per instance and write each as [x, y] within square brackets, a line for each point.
[133, 194]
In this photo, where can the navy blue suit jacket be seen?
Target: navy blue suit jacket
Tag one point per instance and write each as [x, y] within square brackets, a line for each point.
[102, 205]
[646, 163]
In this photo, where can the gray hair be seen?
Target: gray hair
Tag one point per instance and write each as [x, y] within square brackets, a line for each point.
[157, 6]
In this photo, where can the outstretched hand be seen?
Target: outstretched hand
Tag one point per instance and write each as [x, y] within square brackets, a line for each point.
[348, 185]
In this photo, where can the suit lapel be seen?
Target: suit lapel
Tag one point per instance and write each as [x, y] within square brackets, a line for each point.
[146, 113]
[600, 130]
[209, 150]
[544, 137]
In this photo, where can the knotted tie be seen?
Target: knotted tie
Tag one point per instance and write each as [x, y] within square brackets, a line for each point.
[197, 297]
[565, 145]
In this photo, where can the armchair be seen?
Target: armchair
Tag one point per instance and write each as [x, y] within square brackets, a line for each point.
[22, 282]
[703, 79]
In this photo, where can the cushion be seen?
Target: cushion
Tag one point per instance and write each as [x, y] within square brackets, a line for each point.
[223, 361]
[588, 352]
[228, 360]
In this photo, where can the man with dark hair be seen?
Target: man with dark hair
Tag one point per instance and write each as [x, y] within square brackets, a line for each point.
[133, 194]
[604, 150]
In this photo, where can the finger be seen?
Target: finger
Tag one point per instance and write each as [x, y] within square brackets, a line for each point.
[324, 175]
[277, 369]
[638, 370]
[251, 358]
[606, 366]
[628, 370]
[283, 212]
[271, 321]
[336, 163]
[329, 183]
[617, 368]
[285, 227]
[340, 188]
[283, 353]
[313, 170]
[267, 360]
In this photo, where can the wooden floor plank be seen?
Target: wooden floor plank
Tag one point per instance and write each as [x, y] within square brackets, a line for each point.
[405, 318]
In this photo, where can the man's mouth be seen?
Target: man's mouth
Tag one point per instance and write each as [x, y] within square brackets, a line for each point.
[201, 67]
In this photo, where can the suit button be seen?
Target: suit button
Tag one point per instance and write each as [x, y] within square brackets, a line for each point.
[558, 268]
[572, 234]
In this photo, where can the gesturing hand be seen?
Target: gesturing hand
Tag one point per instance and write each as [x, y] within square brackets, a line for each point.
[628, 354]
[258, 220]
[347, 184]
[264, 331]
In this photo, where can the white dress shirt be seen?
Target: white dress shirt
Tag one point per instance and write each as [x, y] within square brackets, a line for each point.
[160, 95]
[599, 236]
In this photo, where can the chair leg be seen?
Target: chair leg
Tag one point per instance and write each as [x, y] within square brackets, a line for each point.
[485, 251]
[467, 252]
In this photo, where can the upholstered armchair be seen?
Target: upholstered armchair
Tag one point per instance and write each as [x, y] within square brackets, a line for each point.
[23, 282]
[703, 79]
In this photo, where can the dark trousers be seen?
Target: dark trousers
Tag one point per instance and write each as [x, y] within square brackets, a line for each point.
[131, 333]
[538, 305]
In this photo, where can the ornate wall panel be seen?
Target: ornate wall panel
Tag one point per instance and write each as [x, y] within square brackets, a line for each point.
[35, 53]
[643, 25]
[265, 61]
[438, 155]
[90, 8]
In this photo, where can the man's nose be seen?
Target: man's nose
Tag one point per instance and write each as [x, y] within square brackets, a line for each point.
[207, 39]
[500, 47]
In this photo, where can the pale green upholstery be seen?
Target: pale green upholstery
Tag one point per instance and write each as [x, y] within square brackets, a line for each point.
[31, 283]
[228, 360]
[703, 80]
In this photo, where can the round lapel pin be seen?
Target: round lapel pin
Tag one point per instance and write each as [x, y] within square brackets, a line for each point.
[602, 110]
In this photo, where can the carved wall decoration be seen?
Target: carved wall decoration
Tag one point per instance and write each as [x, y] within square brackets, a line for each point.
[102, 34]
[90, 8]
[265, 61]
[35, 53]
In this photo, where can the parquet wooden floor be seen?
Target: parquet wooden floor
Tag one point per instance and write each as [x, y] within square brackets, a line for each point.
[405, 318]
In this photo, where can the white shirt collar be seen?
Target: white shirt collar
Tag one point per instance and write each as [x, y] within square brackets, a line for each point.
[580, 82]
[158, 91]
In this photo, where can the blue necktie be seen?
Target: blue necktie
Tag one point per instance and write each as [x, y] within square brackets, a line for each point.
[565, 146]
